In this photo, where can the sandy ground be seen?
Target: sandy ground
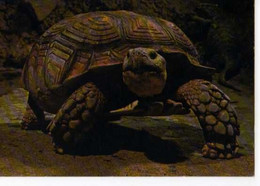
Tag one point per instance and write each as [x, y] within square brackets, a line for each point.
[130, 146]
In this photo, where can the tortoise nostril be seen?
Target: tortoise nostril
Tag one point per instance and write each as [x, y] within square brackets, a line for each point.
[153, 55]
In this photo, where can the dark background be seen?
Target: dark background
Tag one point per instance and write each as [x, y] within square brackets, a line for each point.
[222, 30]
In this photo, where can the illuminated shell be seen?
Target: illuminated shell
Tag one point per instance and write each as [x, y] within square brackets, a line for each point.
[88, 41]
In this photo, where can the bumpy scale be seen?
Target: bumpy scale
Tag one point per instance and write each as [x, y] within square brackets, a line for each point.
[76, 117]
[216, 116]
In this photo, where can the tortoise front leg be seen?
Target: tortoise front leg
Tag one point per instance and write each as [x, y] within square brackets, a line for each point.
[216, 116]
[76, 117]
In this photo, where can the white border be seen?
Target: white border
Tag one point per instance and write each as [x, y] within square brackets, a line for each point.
[164, 181]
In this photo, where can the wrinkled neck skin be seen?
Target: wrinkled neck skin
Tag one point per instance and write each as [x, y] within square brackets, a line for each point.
[144, 85]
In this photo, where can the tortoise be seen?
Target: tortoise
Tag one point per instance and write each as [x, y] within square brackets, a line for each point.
[85, 66]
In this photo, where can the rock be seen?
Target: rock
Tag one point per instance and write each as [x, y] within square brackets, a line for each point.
[230, 130]
[43, 8]
[223, 103]
[223, 116]
[220, 128]
[204, 97]
[211, 120]
[213, 107]
[201, 108]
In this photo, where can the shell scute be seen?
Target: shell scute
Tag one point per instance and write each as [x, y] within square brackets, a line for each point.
[144, 29]
[94, 29]
[72, 47]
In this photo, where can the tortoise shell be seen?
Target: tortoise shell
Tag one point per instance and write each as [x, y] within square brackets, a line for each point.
[88, 41]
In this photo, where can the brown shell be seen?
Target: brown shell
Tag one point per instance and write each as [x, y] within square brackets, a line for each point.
[99, 39]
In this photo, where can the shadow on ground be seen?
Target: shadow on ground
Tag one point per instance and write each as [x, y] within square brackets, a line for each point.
[164, 149]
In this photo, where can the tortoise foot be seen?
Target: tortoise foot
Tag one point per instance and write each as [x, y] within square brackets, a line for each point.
[76, 118]
[216, 115]
[219, 151]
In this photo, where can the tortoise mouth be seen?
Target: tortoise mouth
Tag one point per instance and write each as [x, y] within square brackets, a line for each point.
[152, 69]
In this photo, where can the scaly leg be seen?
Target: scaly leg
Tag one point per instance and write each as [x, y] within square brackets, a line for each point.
[217, 117]
[76, 117]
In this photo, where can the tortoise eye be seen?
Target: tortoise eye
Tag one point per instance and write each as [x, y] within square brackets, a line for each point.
[152, 55]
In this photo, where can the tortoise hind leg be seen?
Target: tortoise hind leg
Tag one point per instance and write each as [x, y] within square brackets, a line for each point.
[216, 116]
[76, 117]
[34, 117]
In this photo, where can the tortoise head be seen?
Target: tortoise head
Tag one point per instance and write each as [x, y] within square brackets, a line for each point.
[144, 72]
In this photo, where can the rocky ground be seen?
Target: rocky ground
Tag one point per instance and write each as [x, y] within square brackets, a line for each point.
[130, 146]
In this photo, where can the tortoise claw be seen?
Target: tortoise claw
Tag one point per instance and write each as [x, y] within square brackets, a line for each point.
[216, 150]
